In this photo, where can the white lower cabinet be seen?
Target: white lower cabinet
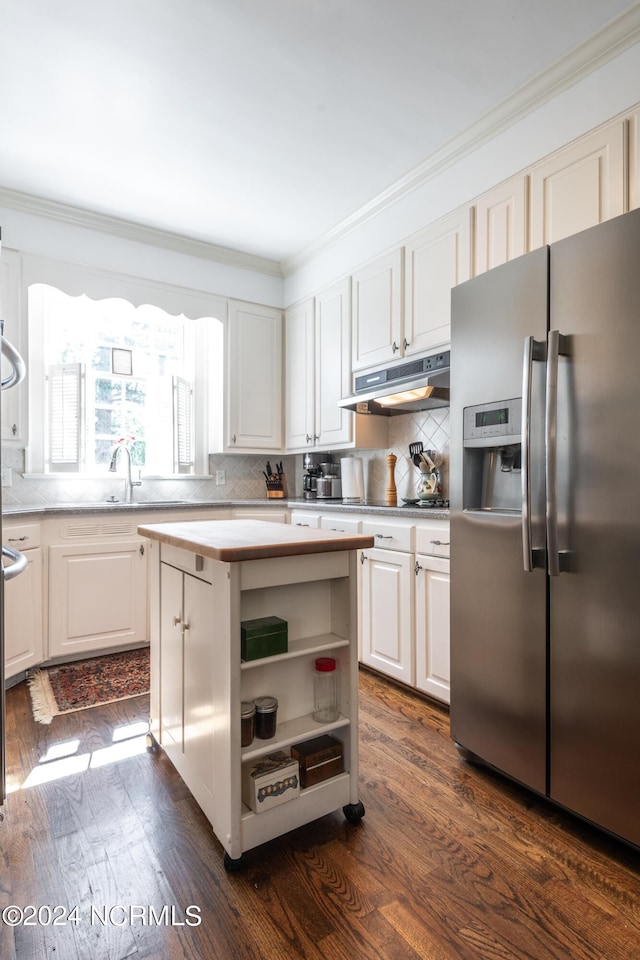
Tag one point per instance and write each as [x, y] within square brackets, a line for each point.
[432, 610]
[433, 674]
[97, 596]
[186, 678]
[404, 604]
[387, 618]
[23, 622]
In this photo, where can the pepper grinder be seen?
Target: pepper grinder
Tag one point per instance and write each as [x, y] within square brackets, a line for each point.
[392, 493]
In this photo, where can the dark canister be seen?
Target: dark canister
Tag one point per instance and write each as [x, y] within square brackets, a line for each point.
[247, 722]
[266, 717]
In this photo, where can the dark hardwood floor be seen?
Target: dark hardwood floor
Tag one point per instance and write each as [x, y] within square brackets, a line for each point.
[449, 862]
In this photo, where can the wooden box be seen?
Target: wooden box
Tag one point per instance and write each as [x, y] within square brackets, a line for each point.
[270, 781]
[319, 759]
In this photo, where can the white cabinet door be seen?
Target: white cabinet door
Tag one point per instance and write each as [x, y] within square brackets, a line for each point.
[579, 186]
[436, 259]
[377, 311]
[300, 354]
[23, 626]
[334, 425]
[171, 656]
[387, 613]
[12, 419]
[432, 627]
[634, 160]
[199, 671]
[97, 596]
[254, 378]
[501, 224]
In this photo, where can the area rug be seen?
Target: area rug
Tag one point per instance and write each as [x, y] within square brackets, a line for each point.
[88, 683]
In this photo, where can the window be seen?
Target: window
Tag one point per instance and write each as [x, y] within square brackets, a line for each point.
[114, 370]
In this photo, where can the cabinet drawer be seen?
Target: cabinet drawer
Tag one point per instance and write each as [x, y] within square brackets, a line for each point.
[340, 524]
[390, 536]
[23, 536]
[194, 563]
[433, 539]
[304, 518]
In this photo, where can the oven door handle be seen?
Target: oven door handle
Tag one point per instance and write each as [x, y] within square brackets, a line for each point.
[17, 566]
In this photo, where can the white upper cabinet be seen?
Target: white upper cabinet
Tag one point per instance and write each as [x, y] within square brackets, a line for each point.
[299, 328]
[377, 311]
[501, 224]
[436, 259]
[254, 378]
[579, 186]
[334, 426]
[318, 375]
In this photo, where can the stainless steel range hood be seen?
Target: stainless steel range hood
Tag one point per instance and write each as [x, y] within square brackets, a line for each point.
[406, 388]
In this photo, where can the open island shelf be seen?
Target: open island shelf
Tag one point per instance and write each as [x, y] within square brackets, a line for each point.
[206, 577]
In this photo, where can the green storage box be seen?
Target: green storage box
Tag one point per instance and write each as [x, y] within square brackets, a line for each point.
[263, 637]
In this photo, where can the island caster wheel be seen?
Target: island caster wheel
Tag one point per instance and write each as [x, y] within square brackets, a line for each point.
[152, 745]
[354, 812]
[230, 864]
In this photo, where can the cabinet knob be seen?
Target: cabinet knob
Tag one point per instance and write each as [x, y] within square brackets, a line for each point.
[142, 549]
[363, 557]
[177, 621]
[14, 429]
[441, 543]
[405, 343]
[233, 438]
[394, 347]
[309, 438]
[417, 568]
[383, 536]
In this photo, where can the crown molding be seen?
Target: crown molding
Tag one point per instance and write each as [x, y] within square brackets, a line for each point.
[608, 43]
[26, 203]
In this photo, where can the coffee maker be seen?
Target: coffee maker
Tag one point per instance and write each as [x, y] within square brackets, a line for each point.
[310, 479]
[328, 485]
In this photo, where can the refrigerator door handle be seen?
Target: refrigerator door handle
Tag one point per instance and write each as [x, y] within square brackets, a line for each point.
[18, 369]
[533, 350]
[17, 566]
[557, 346]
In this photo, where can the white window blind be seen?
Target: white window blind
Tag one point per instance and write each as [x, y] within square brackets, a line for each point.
[182, 426]
[66, 403]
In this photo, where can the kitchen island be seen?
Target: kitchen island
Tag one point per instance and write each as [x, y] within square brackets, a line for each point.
[206, 578]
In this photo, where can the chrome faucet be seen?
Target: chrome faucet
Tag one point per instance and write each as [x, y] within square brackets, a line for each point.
[129, 484]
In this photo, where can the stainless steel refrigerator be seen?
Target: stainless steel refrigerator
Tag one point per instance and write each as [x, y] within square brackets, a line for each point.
[545, 522]
[13, 562]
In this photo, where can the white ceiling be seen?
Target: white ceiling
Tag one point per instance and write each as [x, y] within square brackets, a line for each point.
[256, 124]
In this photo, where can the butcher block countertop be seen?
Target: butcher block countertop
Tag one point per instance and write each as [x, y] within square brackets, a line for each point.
[235, 540]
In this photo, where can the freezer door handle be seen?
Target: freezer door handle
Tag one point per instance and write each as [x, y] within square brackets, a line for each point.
[533, 350]
[557, 346]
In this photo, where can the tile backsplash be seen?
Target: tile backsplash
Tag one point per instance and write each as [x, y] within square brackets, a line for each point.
[432, 428]
[243, 473]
